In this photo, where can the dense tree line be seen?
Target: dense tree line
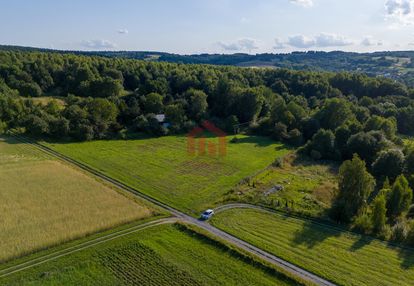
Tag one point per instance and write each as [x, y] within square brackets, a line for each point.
[288, 105]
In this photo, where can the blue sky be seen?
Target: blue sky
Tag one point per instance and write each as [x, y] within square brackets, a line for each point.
[213, 26]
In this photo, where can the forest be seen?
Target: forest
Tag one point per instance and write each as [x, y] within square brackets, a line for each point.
[344, 117]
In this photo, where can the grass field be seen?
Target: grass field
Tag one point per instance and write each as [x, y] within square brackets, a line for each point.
[162, 168]
[162, 255]
[309, 186]
[341, 257]
[44, 202]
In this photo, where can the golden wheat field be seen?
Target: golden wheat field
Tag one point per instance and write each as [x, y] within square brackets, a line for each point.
[44, 202]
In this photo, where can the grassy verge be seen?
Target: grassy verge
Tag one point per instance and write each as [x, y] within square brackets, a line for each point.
[339, 256]
[161, 255]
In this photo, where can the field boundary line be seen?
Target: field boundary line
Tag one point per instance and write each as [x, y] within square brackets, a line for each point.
[87, 244]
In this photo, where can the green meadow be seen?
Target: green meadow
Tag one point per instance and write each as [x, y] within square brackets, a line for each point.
[163, 169]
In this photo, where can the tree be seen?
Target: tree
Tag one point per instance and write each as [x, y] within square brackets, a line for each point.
[334, 113]
[387, 125]
[102, 111]
[105, 87]
[400, 197]
[409, 162]
[322, 143]
[36, 125]
[389, 164]
[248, 104]
[175, 115]
[153, 103]
[198, 103]
[355, 185]
[379, 212]
[367, 145]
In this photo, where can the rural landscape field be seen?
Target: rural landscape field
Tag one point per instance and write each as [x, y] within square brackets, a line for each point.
[163, 169]
[232, 142]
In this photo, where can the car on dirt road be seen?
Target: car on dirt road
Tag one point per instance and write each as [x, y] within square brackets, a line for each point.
[207, 214]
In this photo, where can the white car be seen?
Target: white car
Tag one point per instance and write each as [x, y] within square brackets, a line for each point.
[207, 214]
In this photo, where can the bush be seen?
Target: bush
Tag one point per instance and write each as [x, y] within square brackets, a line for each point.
[385, 233]
[362, 224]
[399, 231]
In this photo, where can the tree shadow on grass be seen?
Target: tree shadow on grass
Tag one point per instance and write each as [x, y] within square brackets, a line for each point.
[361, 242]
[313, 234]
[258, 141]
[406, 255]
[305, 161]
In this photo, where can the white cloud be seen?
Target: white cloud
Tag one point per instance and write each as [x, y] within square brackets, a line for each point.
[122, 31]
[369, 41]
[303, 3]
[322, 40]
[98, 44]
[331, 40]
[248, 44]
[400, 11]
[301, 41]
[245, 44]
[279, 44]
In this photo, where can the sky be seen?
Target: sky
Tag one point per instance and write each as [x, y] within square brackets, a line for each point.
[209, 26]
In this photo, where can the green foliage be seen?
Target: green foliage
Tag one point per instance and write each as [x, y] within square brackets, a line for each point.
[175, 115]
[367, 145]
[153, 103]
[105, 87]
[399, 231]
[400, 197]
[389, 164]
[322, 145]
[379, 212]
[355, 185]
[362, 224]
[334, 113]
[198, 103]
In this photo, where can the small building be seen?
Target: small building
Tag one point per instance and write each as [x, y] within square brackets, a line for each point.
[161, 120]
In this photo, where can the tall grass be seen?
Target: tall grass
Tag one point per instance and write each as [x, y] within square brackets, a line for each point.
[44, 202]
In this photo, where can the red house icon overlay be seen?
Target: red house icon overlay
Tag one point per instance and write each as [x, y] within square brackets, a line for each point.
[195, 141]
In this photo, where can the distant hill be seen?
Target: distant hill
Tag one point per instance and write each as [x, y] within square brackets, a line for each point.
[397, 65]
